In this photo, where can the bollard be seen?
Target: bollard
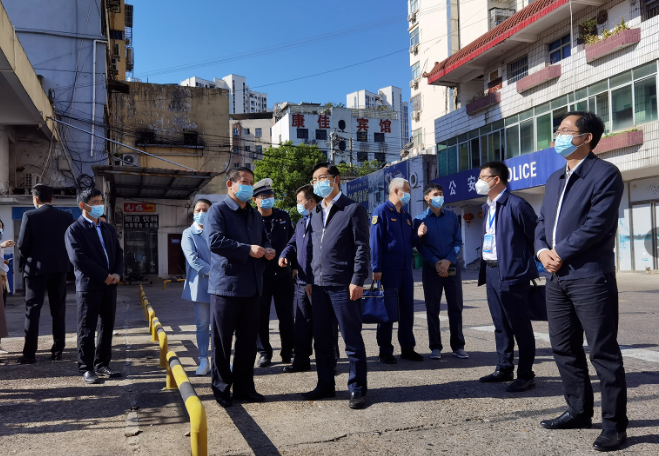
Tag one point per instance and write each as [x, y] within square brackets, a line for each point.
[164, 346]
[154, 329]
[165, 282]
[152, 315]
[145, 303]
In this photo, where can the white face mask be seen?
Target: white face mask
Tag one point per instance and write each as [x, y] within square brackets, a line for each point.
[482, 187]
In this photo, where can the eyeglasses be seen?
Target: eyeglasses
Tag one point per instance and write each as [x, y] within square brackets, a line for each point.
[264, 196]
[567, 132]
[324, 177]
[486, 177]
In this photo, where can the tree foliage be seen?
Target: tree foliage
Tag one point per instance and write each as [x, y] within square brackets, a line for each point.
[289, 167]
[334, 105]
[367, 167]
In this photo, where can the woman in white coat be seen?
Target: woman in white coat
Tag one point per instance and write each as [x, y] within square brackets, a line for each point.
[197, 268]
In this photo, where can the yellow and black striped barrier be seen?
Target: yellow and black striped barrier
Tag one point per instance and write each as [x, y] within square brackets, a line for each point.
[165, 282]
[177, 379]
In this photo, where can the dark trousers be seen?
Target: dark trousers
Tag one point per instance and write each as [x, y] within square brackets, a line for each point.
[330, 303]
[91, 306]
[433, 285]
[304, 328]
[403, 281]
[35, 292]
[229, 315]
[590, 305]
[279, 287]
[509, 310]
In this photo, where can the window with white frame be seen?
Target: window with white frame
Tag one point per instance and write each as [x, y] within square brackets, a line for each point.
[416, 70]
[417, 137]
[559, 49]
[415, 101]
[414, 37]
[258, 132]
[303, 133]
[518, 69]
[414, 5]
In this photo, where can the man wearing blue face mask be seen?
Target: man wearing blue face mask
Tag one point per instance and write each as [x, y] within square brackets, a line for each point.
[277, 280]
[392, 238]
[440, 249]
[575, 240]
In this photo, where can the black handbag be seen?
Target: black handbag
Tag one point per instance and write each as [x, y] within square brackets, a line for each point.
[379, 305]
[537, 302]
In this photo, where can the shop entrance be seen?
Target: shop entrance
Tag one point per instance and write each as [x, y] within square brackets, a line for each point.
[141, 244]
[646, 235]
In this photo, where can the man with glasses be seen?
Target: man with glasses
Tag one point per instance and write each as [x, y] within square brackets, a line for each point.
[507, 268]
[575, 240]
[94, 250]
[339, 232]
[239, 247]
[277, 280]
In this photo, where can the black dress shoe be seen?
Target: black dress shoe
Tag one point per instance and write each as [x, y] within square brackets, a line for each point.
[610, 440]
[411, 355]
[224, 402]
[56, 356]
[319, 394]
[293, 368]
[520, 385]
[357, 401]
[497, 376]
[387, 359]
[90, 377]
[26, 360]
[286, 358]
[105, 371]
[249, 397]
[566, 421]
[264, 361]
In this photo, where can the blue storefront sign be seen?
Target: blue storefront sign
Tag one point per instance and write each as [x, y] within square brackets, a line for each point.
[526, 171]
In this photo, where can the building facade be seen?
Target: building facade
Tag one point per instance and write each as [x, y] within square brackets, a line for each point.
[388, 96]
[242, 99]
[119, 19]
[345, 135]
[527, 73]
[250, 137]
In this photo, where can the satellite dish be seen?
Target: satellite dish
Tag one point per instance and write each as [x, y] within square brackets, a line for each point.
[342, 145]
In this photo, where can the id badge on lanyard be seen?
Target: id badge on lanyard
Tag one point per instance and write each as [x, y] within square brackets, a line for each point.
[489, 238]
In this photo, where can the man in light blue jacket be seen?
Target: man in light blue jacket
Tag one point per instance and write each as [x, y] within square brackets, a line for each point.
[197, 269]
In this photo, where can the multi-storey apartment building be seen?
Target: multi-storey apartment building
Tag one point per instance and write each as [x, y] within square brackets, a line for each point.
[242, 99]
[250, 137]
[388, 96]
[517, 82]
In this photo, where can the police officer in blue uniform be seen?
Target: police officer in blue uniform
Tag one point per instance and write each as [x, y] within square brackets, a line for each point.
[277, 280]
[392, 238]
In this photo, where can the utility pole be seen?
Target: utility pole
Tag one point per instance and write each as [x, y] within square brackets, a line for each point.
[351, 154]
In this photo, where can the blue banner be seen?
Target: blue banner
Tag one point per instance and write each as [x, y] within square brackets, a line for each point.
[526, 171]
[357, 190]
[17, 212]
[373, 189]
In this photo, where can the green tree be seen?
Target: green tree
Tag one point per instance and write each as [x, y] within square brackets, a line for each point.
[334, 105]
[289, 167]
[367, 167]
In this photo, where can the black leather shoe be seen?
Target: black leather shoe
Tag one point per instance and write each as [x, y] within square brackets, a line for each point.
[90, 377]
[264, 361]
[357, 401]
[56, 356]
[26, 360]
[566, 421]
[497, 376]
[411, 355]
[286, 358]
[387, 359]
[319, 394]
[293, 368]
[610, 440]
[222, 402]
[249, 397]
[105, 371]
[520, 385]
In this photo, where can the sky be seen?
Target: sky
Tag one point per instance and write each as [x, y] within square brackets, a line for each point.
[271, 41]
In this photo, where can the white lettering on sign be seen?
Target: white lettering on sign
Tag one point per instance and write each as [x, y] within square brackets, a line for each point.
[471, 182]
[524, 171]
[451, 187]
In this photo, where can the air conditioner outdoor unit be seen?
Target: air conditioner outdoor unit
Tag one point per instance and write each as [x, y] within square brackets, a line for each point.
[414, 49]
[414, 83]
[416, 115]
[412, 17]
[130, 160]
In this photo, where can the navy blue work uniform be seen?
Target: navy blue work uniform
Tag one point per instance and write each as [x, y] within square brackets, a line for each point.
[235, 285]
[511, 220]
[442, 241]
[578, 219]
[392, 237]
[298, 252]
[277, 285]
[340, 257]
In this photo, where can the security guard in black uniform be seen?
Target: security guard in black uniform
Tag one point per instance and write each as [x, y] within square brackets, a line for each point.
[392, 238]
[277, 280]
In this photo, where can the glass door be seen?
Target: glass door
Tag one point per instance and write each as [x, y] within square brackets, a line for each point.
[644, 218]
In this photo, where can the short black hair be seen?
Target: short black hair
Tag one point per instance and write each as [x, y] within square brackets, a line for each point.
[308, 192]
[498, 169]
[43, 192]
[201, 200]
[2, 223]
[589, 122]
[430, 187]
[332, 169]
[231, 175]
[85, 195]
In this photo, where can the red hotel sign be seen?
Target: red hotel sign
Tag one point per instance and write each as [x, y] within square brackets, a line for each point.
[139, 207]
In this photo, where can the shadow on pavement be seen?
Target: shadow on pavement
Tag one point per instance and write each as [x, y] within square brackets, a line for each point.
[257, 440]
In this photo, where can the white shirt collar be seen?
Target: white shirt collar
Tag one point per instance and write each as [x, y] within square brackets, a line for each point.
[198, 226]
[336, 198]
[492, 203]
[90, 221]
[568, 171]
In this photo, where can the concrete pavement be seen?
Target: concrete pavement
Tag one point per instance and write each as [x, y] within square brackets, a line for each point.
[432, 407]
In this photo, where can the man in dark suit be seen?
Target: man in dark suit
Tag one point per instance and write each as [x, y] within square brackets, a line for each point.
[574, 240]
[239, 248]
[507, 268]
[98, 261]
[340, 256]
[44, 264]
